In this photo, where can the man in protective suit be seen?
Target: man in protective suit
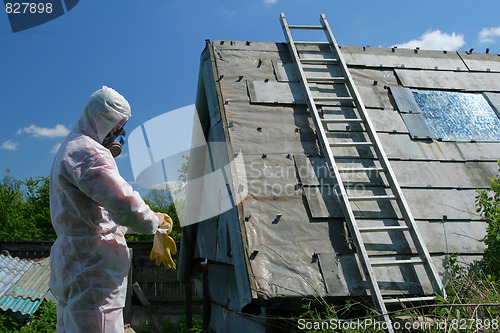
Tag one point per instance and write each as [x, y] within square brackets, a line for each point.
[92, 207]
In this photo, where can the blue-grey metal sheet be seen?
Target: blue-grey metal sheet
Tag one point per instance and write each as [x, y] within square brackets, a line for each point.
[483, 62]
[23, 284]
[468, 81]
[416, 125]
[494, 100]
[404, 99]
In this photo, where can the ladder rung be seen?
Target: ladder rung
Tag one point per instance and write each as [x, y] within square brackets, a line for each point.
[339, 79]
[351, 144]
[334, 99]
[341, 121]
[310, 43]
[384, 229]
[373, 198]
[318, 61]
[397, 262]
[346, 170]
[408, 299]
[306, 27]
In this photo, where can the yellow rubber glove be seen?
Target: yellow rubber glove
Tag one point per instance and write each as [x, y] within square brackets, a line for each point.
[163, 245]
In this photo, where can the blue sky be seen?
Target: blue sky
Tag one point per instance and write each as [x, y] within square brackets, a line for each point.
[149, 52]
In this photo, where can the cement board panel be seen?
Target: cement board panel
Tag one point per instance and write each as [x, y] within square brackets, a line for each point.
[401, 58]
[388, 121]
[467, 81]
[260, 129]
[434, 174]
[400, 146]
[236, 66]
[439, 237]
[285, 71]
[276, 92]
[482, 62]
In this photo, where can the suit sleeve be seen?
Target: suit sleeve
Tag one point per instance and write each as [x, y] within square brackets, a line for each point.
[101, 181]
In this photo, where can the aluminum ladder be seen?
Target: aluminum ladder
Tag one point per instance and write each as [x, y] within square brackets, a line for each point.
[394, 192]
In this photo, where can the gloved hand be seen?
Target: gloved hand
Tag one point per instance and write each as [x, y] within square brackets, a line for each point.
[163, 245]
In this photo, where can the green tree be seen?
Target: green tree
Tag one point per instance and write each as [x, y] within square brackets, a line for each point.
[24, 209]
[11, 208]
[488, 203]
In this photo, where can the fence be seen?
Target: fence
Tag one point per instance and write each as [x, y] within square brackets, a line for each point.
[158, 284]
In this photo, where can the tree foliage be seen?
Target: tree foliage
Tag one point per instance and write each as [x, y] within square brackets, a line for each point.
[488, 203]
[24, 209]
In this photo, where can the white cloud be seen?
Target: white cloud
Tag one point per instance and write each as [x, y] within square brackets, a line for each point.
[57, 131]
[271, 2]
[489, 35]
[9, 145]
[436, 40]
[55, 148]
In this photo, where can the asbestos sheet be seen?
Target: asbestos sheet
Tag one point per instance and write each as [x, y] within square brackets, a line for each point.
[400, 146]
[323, 202]
[388, 121]
[482, 62]
[371, 97]
[285, 71]
[401, 58]
[273, 176]
[334, 269]
[467, 81]
[434, 174]
[264, 129]
[239, 65]
[276, 92]
[439, 237]
[377, 81]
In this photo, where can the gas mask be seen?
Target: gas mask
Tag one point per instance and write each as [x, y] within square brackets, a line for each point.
[114, 141]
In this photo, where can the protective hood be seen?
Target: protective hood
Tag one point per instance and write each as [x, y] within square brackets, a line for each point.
[104, 110]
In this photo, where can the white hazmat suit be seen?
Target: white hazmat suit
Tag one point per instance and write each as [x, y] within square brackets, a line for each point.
[92, 207]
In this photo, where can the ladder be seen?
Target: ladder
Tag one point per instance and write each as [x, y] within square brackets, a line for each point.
[394, 194]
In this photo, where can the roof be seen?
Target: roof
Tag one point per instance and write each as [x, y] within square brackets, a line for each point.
[287, 238]
[23, 284]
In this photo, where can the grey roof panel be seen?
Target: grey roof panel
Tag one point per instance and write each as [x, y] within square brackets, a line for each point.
[284, 71]
[482, 62]
[298, 210]
[401, 58]
[467, 81]
[276, 92]
[400, 146]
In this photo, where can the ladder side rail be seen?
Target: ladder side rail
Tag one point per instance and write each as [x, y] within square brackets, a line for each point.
[355, 233]
[390, 175]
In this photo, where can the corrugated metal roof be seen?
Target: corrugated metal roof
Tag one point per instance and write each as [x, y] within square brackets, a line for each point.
[23, 284]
